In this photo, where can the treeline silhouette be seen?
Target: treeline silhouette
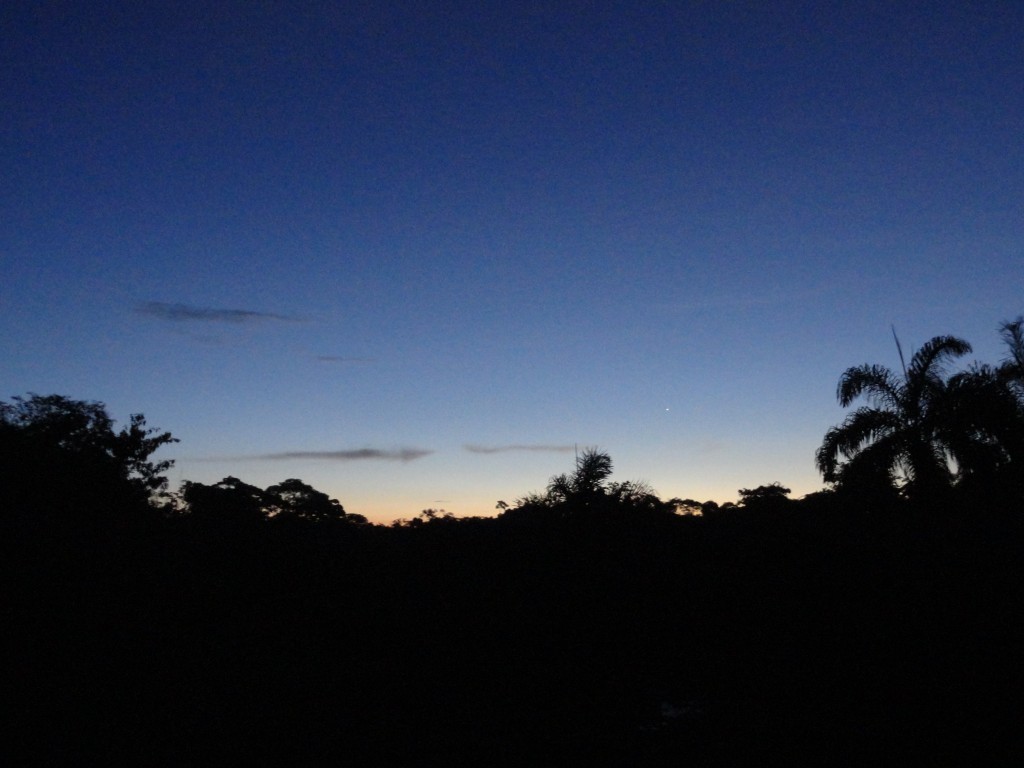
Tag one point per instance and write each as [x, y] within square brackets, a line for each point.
[593, 623]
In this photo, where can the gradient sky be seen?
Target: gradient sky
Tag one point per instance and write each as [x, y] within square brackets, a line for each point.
[413, 253]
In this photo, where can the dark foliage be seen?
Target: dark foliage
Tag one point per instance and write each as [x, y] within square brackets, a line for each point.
[773, 496]
[59, 454]
[811, 631]
[591, 625]
[924, 433]
[232, 500]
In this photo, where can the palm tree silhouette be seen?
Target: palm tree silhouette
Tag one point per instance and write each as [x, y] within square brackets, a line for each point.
[593, 467]
[901, 435]
[986, 416]
[1012, 367]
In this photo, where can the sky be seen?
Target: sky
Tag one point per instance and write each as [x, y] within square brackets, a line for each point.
[415, 254]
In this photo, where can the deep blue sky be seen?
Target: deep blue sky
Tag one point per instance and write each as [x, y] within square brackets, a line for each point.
[385, 238]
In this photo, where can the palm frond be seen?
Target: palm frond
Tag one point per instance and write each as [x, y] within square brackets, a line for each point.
[931, 358]
[593, 467]
[876, 382]
[866, 426]
[877, 465]
[1013, 337]
[826, 458]
[983, 423]
[560, 488]
[861, 429]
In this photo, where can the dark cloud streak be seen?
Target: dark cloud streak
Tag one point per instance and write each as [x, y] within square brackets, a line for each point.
[487, 449]
[177, 313]
[360, 454]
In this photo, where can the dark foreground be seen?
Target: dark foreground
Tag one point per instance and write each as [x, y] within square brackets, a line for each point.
[811, 634]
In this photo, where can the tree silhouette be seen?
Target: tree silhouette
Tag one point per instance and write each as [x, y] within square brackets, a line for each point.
[685, 506]
[61, 449]
[233, 500]
[986, 417]
[229, 500]
[1012, 368]
[985, 424]
[593, 467]
[902, 436]
[427, 517]
[294, 498]
[771, 496]
[586, 492]
[592, 617]
[1011, 371]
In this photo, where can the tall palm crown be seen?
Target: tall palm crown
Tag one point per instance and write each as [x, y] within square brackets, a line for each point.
[987, 415]
[593, 467]
[1012, 368]
[899, 437]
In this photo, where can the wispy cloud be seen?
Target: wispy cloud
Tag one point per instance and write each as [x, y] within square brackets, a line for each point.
[359, 454]
[509, 448]
[713, 446]
[177, 313]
